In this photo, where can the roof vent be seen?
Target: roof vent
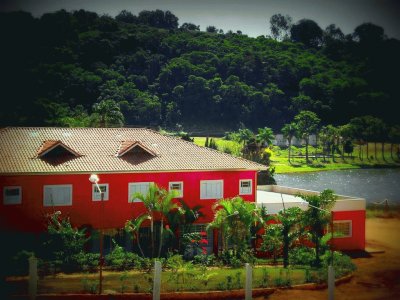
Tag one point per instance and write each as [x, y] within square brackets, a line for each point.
[134, 147]
[56, 149]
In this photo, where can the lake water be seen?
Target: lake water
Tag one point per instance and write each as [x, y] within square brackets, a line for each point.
[374, 185]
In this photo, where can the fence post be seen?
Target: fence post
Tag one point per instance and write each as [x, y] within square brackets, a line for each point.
[157, 280]
[249, 280]
[33, 277]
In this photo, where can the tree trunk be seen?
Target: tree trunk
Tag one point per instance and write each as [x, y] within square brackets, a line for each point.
[138, 243]
[290, 146]
[307, 161]
[359, 152]
[391, 151]
[368, 151]
[285, 249]
[375, 153]
[161, 237]
[317, 259]
[383, 151]
[152, 236]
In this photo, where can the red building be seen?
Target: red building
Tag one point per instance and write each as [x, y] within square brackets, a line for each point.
[44, 170]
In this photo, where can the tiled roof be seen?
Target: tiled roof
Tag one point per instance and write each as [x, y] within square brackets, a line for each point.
[97, 149]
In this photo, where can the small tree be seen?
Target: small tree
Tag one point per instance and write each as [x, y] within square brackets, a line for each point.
[317, 217]
[64, 241]
[272, 240]
[289, 218]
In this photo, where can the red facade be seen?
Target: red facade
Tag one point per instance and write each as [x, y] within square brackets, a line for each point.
[356, 240]
[30, 214]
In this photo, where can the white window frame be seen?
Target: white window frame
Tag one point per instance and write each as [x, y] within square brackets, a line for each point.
[10, 200]
[96, 196]
[350, 222]
[204, 195]
[54, 202]
[244, 190]
[180, 191]
[130, 193]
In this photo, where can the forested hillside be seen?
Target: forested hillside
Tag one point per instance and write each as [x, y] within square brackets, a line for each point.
[66, 68]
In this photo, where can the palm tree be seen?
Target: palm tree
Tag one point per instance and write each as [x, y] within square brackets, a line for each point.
[133, 227]
[160, 201]
[317, 217]
[150, 203]
[182, 219]
[265, 136]
[289, 131]
[235, 217]
[330, 135]
[165, 205]
[245, 135]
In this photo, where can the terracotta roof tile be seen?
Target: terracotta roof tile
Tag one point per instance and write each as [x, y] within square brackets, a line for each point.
[97, 148]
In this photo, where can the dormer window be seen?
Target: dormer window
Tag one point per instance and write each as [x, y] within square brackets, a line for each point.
[134, 147]
[56, 152]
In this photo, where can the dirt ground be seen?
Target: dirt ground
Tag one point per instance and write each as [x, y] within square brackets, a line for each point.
[378, 271]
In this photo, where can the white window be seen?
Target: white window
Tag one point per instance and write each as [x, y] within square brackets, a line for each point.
[211, 189]
[245, 187]
[178, 187]
[96, 195]
[137, 187]
[57, 195]
[342, 229]
[12, 195]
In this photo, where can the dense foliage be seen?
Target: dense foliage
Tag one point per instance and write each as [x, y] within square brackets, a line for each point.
[75, 69]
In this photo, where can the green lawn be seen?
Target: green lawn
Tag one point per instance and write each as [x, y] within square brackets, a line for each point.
[279, 158]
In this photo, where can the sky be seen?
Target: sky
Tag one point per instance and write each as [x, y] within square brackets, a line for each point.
[249, 16]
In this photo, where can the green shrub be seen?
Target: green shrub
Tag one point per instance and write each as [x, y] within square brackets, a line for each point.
[204, 259]
[87, 261]
[302, 255]
[119, 259]
[342, 263]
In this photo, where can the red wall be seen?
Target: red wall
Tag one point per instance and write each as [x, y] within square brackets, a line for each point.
[357, 240]
[30, 214]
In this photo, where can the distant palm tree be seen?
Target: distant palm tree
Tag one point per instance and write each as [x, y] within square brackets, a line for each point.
[265, 136]
[245, 135]
[289, 131]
